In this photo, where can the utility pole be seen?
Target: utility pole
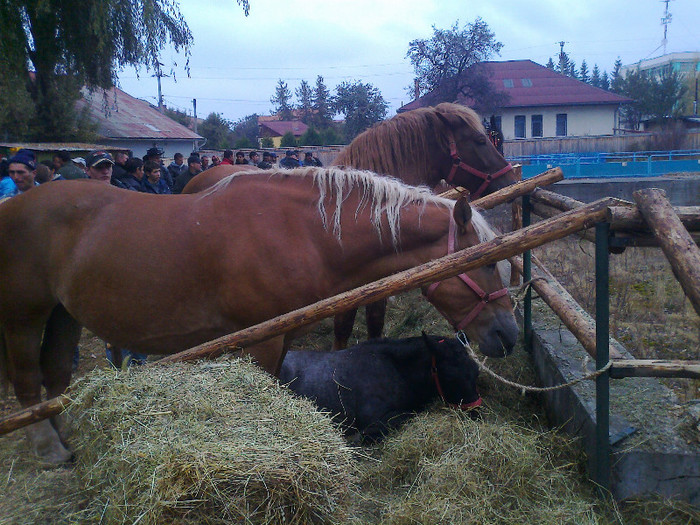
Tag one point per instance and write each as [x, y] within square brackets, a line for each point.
[194, 106]
[158, 75]
[665, 20]
[562, 57]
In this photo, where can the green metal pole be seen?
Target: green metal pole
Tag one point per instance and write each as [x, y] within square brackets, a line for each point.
[602, 383]
[527, 276]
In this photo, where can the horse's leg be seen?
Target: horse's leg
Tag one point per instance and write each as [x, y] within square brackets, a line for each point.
[342, 328]
[268, 355]
[23, 346]
[375, 313]
[61, 336]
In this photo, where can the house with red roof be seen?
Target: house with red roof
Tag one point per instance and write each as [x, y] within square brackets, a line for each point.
[126, 122]
[276, 129]
[542, 103]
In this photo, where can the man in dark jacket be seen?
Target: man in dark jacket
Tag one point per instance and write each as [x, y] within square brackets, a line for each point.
[290, 160]
[194, 166]
[155, 154]
[177, 167]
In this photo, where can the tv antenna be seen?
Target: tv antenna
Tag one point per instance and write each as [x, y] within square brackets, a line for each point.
[665, 21]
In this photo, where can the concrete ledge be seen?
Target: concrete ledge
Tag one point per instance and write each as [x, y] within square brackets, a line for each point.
[650, 453]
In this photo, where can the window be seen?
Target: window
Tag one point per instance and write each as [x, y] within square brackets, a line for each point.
[508, 82]
[536, 125]
[561, 124]
[519, 126]
[526, 82]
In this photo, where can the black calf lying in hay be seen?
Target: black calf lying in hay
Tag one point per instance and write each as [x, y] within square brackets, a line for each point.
[375, 386]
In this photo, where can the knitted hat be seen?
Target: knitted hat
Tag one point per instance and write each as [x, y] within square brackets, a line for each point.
[26, 157]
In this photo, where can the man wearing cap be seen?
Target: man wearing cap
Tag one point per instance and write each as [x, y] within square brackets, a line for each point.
[156, 155]
[310, 160]
[22, 171]
[99, 166]
[290, 160]
[194, 166]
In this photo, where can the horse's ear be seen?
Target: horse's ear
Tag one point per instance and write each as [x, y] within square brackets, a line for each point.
[450, 121]
[462, 212]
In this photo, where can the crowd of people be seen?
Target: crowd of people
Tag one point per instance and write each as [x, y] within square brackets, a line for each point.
[148, 174]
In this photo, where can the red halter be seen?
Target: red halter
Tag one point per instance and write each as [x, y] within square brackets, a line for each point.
[485, 298]
[461, 406]
[458, 163]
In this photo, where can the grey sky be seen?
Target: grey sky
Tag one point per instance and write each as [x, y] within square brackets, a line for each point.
[237, 60]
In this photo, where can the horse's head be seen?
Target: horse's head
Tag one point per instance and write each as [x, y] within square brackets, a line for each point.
[476, 301]
[473, 161]
[454, 372]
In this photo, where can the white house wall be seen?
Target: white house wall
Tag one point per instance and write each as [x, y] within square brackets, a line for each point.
[139, 147]
[581, 120]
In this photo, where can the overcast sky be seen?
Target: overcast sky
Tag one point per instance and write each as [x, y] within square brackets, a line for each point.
[237, 60]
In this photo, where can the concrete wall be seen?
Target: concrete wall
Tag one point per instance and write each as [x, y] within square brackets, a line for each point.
[682, 190]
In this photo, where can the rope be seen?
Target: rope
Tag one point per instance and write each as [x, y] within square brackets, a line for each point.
[526, 388]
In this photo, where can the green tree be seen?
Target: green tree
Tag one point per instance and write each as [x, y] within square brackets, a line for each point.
[178, 116]
[304, 95]
[654, 97]
[444, 64]
[321, 100]
[550, 64]
[583, 74]
[245, 131]
[311, 138]
[617, 82]
[604, 82]
[71, 43]
[595, 76]
[217, 131]
[267, 142]
[288, 140]
[282, 101]
[331, 136]
[361, 104]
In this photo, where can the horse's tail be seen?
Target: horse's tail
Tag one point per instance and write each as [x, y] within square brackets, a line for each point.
[4, 376]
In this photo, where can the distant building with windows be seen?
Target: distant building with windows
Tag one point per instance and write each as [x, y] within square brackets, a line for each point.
[685, 64]
[542, 103]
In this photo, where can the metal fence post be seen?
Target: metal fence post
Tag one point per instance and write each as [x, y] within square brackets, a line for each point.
[527, 276]
[602, 384]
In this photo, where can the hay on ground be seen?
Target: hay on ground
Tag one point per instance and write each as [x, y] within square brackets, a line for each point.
[213, 442]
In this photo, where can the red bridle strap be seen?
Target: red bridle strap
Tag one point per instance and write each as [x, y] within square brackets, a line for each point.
[483, 296]
[461, 406]
[458, 163]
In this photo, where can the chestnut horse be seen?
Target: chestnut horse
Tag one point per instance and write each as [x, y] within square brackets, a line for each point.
[424, 146]
[254, 246]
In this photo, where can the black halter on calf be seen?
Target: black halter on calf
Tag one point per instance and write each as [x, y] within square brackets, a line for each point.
[375, 386]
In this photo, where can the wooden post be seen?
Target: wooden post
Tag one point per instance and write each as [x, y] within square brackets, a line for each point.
[675, 241]
[624, 218]
[489, 252]
[516, 210]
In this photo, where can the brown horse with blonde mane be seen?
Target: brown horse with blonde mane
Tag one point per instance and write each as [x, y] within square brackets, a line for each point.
[424, 146]
[207, 178]
[254, 246]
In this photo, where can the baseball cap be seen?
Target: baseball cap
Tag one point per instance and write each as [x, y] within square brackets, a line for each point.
[154, 152]
[98, 157]
[79, 160]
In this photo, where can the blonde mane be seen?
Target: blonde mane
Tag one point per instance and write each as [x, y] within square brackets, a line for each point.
[385, 196]
[399, 144]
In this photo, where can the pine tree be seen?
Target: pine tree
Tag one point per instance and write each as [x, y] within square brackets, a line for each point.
[583, 73]
[595, 76]
[550, 64]
[604, 82]
[321, 103]
[616, 80]
[305, 106]
[281, 101]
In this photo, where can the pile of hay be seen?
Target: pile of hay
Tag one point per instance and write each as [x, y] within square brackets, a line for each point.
[446, 468]
[213, 442]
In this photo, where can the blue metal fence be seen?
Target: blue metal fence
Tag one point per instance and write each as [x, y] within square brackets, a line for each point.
[619, 164]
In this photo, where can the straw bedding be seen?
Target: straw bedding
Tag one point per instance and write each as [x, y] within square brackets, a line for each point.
[214, 442]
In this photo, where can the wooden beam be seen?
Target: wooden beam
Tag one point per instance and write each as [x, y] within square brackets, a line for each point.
[511, 192]
[676, 243]
[489, 252]
[624, 218]
[567, 309]
[654, 368]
